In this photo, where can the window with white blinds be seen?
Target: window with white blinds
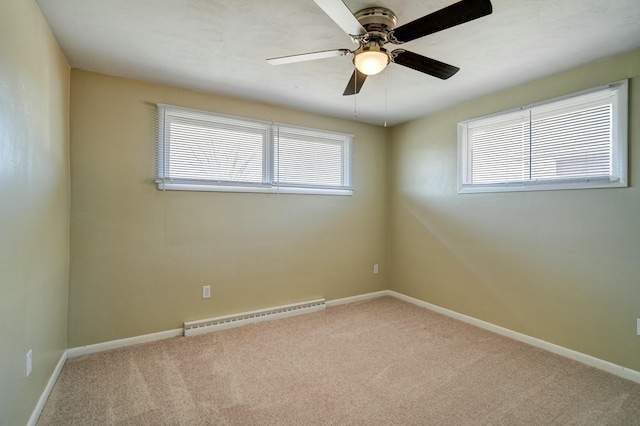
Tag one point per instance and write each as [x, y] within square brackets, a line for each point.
[575, 142]
[203, 151]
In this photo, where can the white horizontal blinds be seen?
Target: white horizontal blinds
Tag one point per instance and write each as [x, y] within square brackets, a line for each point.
[312, 158]
[568, 140]
[198, 150]
[499, 149]
[574, 140]
[205, 147]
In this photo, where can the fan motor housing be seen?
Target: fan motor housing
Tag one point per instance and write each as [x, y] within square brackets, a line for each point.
[377, 19]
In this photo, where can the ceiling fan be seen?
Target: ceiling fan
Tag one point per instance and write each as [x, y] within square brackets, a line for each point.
[373, 27]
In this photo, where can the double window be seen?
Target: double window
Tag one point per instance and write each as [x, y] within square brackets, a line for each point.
[202, 151]
[579, 141]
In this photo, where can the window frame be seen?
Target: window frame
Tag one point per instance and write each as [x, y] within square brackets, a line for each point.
[619, 149]
[270, 179]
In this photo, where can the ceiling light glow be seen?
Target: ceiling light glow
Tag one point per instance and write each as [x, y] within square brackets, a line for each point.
[371, 62]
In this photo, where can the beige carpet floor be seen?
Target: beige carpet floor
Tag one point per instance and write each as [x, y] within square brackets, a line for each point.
[379, 362]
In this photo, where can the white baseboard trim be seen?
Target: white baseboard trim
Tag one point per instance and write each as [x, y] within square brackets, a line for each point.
[35, 414]
[114, 344]
[625, 373]
[592, 361]
[358, 298]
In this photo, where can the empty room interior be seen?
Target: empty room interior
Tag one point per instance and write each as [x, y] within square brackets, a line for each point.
[377, 201]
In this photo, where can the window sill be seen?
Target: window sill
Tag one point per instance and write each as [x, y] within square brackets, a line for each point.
[543, 186]
[253, 189]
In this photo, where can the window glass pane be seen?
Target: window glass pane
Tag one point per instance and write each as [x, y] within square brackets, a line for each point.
[218, 154]
[500, 154]
[573, 145]
[306, 158]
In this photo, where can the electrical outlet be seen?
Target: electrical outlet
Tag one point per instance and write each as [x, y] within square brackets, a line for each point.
[375, 268]
[29, 363]
[638, 327]
[206, 291]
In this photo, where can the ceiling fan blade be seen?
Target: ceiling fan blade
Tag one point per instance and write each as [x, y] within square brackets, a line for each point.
[308, 56]
[455, 14]
[423, 64]
[342, 15]
[355, 83]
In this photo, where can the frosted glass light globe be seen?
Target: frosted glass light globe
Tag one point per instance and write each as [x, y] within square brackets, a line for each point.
[371, 62]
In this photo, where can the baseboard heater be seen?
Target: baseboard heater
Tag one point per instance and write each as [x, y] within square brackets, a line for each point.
[192, 328]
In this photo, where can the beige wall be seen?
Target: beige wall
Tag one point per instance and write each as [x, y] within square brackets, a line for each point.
[34, 206]
[563, 266]
[140, 256]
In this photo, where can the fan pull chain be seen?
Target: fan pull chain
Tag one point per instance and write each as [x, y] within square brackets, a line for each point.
[385, 96]
[355, 106]
[355, 94]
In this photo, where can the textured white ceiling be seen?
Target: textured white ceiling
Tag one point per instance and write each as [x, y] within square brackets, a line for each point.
[220, 47]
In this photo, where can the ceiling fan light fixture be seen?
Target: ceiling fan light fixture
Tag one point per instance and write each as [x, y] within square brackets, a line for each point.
[371, 61]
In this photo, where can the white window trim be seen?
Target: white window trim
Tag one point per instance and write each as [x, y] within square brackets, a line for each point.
[166, 184]
[620, 151]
